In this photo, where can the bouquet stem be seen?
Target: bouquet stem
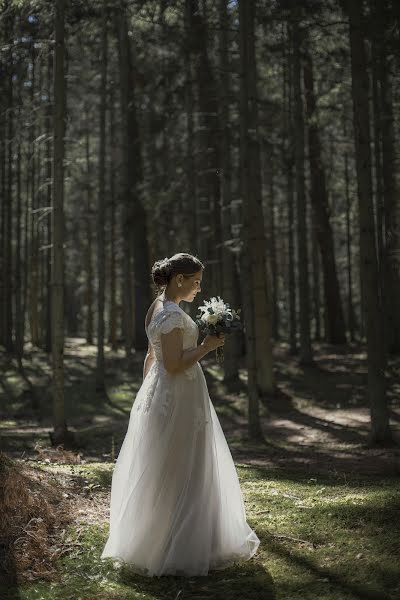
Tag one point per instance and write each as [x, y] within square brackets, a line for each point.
[219, 354]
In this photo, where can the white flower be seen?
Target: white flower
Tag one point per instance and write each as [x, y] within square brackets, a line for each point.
[212, 319]
[217, 305]
[215, 310]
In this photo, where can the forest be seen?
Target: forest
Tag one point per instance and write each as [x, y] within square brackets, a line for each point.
[261, 136]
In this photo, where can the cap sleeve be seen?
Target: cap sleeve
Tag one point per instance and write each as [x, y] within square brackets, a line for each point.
[169, 321]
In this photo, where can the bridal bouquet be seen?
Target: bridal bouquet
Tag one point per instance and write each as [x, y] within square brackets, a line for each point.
[215, 317]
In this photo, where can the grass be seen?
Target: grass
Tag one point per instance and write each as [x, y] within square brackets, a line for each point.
[320, 539]
[325, 507]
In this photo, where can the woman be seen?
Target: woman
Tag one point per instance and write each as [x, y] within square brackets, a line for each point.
[176, 504]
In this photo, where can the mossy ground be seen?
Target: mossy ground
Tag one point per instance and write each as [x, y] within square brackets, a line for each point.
[325, 506]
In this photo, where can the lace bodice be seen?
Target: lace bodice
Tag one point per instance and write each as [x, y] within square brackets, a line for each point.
[169, 317]
[158, 385]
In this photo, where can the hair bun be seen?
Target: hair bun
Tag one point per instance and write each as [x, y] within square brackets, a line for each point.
[164, 269]
[161, 271]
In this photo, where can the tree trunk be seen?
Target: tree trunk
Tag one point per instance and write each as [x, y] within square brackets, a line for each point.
[113, 249]
[229, 271]
[316, 296]
[33, 255]
[288, 159]
[301, 204]
[351, 318]
[49, 204]
[255, 292]
[19, 316]
[60, 434]
[134, 218]
[101, 206]
[191, 204]
[390, 192]
[124, 78]
[379, 203]
[335, 333]
[88, 242]
[208, 161]
[272, 250]
[8, 247]
[380, 433]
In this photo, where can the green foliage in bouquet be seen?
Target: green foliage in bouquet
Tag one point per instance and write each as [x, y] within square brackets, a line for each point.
[216, 317]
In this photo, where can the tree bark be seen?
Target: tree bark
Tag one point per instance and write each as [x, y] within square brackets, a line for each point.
[390, 190]
[208, 155]
[113, 210]
[124, 79]
[134, 218]
[272, 250]
[376, 356]
[335, 333]
[60, 434]
[190, 218]
[351, 318]
[19, 341]
[49, 205]
[101, 207]
[33, 255]
[8, 246]
[288, 159]
[89, 235]
[229, 270]
[301, 204]
[255, 292]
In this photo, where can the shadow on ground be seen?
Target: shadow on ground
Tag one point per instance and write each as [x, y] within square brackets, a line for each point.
[317, 423]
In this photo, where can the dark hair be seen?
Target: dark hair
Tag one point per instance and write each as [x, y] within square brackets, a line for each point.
[163, 270]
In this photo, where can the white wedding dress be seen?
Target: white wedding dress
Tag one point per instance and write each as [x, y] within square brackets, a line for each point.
[176, 503]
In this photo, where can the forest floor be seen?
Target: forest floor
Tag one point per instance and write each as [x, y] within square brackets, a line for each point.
[325, 505]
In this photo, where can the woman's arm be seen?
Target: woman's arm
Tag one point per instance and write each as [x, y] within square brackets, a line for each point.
[176, 359]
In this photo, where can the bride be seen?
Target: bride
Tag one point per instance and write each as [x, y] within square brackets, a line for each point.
[176, 503]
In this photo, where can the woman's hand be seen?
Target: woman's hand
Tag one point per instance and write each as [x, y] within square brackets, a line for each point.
[211, 342]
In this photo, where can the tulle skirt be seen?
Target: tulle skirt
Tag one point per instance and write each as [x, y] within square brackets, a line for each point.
[176, 503]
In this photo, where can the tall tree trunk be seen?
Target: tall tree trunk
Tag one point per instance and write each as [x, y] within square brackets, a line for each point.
[101, 207]
[316, 278]
[19, 341]
[191, 220]
[113, 249]
[229, 271]
[380, 433]
[33, 255]
[60, 434]
[134, 219]
[257, 305]
[208, 161]
[40, 215]
[88, 228]
[49, 111]
[8, 247]
[351, 318]
[379, 202]
[301, 204]
[272, 251]
[25, 274]
[124, 79]
[288, 159]
[335, 333]
[382, 23]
